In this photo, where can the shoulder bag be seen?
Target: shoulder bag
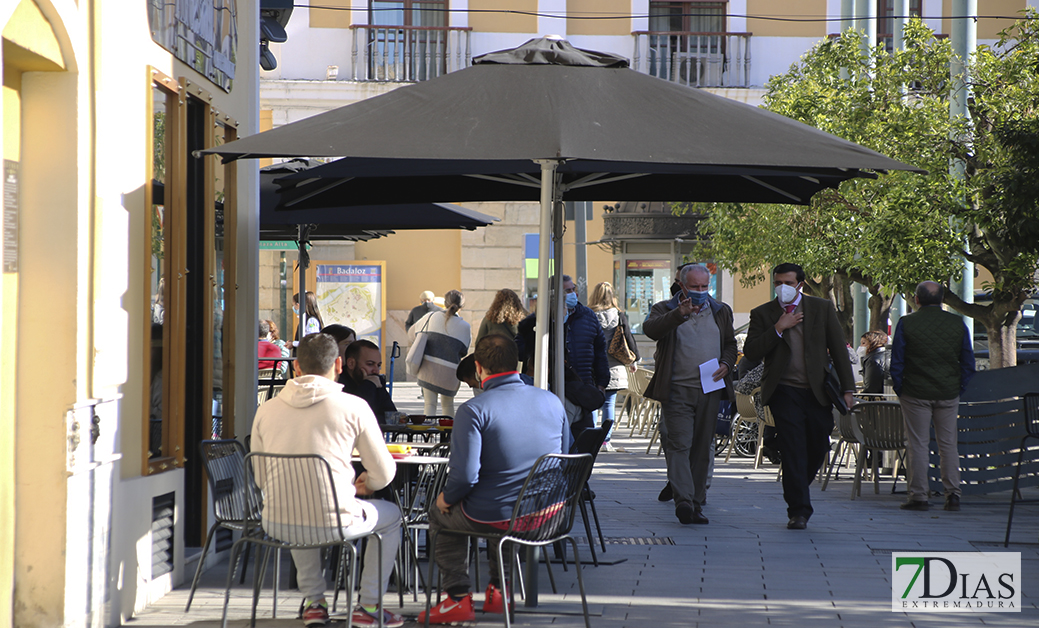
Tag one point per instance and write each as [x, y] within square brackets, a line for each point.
[619, 349]
[832, 386]
[417, 350]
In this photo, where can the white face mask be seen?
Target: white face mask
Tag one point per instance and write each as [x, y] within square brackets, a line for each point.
[861, 350]
[786, 293]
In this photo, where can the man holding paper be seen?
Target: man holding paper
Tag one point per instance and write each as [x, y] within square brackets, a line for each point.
[696, 352]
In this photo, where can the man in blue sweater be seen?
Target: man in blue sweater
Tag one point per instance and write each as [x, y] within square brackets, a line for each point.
[496, 440]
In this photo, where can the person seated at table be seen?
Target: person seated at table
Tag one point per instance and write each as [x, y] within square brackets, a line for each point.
[466, 373]
[265, 348]
[497, 438]
[311, 416]
[344, 336]
[275, 339]
[361, 377]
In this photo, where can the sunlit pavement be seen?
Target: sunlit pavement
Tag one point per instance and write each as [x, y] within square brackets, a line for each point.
[744, 568]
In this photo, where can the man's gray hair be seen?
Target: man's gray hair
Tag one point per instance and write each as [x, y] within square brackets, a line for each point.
[693, 267]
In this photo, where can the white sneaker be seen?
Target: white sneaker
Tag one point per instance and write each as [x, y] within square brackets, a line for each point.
[608, 446]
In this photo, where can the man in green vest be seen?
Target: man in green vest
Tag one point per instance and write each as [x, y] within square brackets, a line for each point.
[931, 363]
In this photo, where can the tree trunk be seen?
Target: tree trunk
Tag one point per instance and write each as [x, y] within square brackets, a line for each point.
[1000, 321]
[837, 288]
[879, 309]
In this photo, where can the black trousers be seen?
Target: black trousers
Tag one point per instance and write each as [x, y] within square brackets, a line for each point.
[803, 428]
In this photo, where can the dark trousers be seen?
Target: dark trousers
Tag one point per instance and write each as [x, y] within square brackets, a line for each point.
[803, 428]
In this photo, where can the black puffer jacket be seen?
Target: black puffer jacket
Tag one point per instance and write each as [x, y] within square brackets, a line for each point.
[585, 345]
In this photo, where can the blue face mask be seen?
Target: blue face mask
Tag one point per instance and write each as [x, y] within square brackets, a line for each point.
[698, 298]
[571, 300]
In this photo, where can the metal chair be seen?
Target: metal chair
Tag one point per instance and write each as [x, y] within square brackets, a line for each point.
[849, 439]
[222, 460]
[747, 415]
[883, 429]
[590, 442]
[1031, 410]
[301, 489]
[543, 515]
[416, 504]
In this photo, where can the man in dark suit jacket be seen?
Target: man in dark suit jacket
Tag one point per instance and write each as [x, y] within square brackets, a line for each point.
[798, 336]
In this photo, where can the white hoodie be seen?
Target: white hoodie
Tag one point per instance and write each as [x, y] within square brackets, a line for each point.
[312, 415]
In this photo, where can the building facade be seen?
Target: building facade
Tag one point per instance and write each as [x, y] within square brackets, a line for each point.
[350, 50]
[129, 267]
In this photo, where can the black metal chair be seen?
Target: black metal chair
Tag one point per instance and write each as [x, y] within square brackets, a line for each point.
[301, 489]
[223, 460]
[590, 442]
[1031, 413]
[543, 515]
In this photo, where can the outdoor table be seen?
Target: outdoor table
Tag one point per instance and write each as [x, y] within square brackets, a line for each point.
[393, 432]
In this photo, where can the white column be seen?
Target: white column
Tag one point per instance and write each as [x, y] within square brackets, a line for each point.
[552, 18]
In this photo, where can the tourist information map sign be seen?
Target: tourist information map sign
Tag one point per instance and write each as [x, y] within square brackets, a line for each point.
[352, 294]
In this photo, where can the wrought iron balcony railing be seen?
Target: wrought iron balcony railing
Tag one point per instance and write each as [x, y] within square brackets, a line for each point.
[694, 59]
[408, 53]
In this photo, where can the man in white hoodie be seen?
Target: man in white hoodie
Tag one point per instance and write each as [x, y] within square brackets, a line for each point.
[312, 415]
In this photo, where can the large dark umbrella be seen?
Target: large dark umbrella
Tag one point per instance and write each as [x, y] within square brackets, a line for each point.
[348, 223]
[547, 120]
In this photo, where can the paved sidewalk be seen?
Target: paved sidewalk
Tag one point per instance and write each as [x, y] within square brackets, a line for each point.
[743, 569]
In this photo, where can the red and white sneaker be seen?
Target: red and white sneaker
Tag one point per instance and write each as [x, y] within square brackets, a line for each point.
[450, 611]
[316, 613]
[494, 600]
[365, 617]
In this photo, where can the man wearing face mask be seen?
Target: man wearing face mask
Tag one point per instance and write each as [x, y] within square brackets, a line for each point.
[798, 337]
[691, 329]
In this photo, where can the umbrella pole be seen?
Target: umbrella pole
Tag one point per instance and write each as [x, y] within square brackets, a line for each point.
[304, 261]
[559, 304]
[548, 172]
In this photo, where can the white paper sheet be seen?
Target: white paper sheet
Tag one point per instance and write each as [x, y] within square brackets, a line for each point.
[707, 370]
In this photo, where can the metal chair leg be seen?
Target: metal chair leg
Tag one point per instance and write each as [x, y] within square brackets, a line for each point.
[201, 561]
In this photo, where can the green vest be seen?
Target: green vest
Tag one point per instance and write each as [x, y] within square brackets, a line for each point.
[933, 342]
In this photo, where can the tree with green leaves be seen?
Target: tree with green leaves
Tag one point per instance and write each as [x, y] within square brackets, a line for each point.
[890, 232]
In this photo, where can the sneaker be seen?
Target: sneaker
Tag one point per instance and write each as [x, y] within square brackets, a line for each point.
[365, 617]
[450, 611]
[608, 446]
[915, 505]
[494, 600]
[316, 613]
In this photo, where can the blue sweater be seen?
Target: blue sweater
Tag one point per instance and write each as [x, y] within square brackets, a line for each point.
[496, 439]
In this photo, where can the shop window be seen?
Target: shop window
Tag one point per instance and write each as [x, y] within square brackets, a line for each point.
[163, 437]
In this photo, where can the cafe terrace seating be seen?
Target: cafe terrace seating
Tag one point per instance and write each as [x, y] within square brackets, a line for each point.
[543, 515]
[303, 488]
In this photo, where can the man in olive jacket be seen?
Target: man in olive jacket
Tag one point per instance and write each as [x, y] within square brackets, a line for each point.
[798, 336]
[691, 328]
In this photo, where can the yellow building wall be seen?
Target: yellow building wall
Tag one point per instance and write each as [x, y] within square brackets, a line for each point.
[416, 261]
[576, 9]
[746, 299]
[988, 28]
[599, 261]
[788, 9]
[8, 312]
[492, 16]
[333, 14]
